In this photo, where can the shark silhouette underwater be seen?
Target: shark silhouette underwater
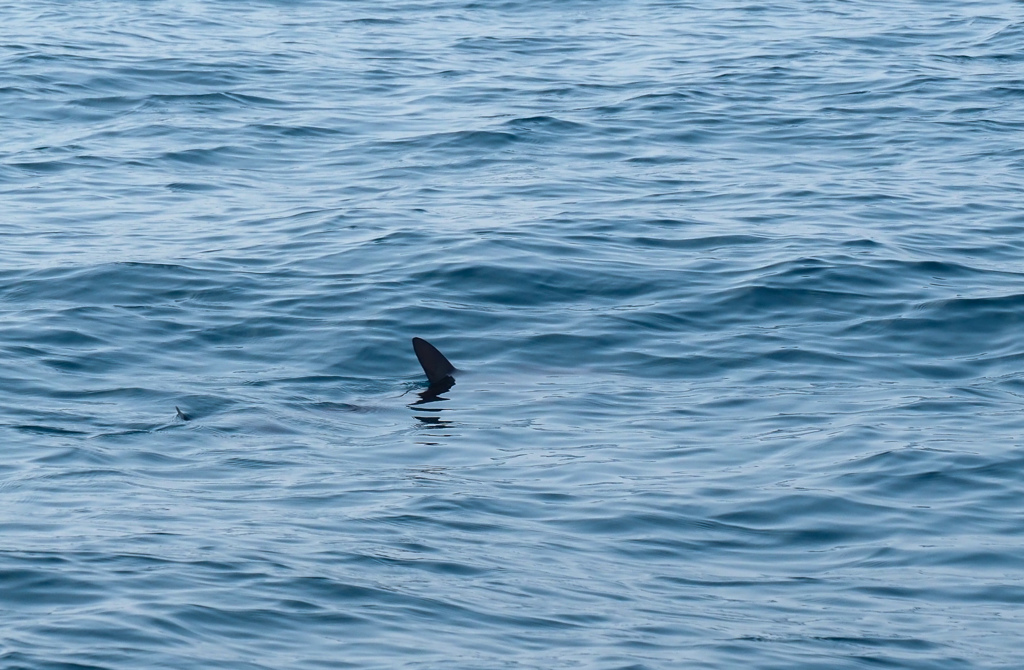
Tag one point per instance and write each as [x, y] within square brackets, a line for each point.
[439, 370]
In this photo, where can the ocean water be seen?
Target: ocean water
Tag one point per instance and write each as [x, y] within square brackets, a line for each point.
[736, 290]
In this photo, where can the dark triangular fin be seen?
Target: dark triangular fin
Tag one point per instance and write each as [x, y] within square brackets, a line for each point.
[433, 361]
[181, 415]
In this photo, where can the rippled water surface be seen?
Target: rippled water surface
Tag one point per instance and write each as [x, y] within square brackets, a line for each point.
[736, 290]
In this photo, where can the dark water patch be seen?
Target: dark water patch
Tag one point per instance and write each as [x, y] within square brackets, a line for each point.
[48, 430]
[43, 589]
[205, 157]
[511, 285]
[186, 187]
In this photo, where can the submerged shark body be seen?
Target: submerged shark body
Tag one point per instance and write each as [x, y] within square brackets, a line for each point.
[439, 370]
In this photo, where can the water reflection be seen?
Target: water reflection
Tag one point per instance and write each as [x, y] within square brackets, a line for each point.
[433, 394]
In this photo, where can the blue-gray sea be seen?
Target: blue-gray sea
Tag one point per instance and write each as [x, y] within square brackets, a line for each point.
[735, 289]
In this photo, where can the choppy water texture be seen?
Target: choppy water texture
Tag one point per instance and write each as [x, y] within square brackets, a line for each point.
[737, 290]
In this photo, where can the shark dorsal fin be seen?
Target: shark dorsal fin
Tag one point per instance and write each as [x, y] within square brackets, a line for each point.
[433, 361]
